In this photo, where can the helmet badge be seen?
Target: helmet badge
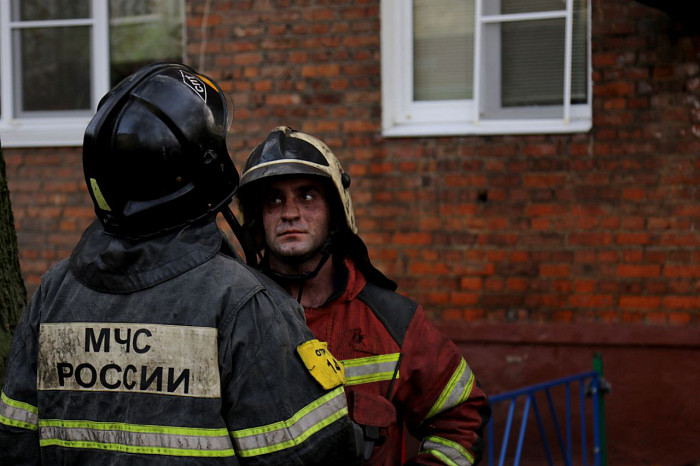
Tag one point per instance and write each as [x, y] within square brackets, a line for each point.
[195, 84]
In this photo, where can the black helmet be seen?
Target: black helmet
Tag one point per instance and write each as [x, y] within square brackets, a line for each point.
[288, 152]
[154, 154]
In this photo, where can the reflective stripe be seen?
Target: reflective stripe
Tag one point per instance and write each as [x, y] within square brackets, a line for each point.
[370, 369]
[133, 438]
[457, 390]
[292, 432]
[18, 414]
[451, 453]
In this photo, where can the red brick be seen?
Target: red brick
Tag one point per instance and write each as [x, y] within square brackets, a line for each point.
[464, 299]
[471, 283]
[679, 318]
[638, 271]
[590, 239]
[555, 270]
[640, 302]
[682, 302]
[681, 271]
[633, 239]
[591, 301]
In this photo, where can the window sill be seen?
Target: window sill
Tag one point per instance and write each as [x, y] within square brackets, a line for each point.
[43, 133]
[492, 127]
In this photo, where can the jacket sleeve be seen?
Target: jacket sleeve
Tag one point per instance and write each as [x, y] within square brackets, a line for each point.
[19, 431]
[278, 412]
[447, 410]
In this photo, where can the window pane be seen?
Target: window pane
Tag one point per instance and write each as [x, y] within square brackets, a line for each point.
[142, 32]
[54, 67]
[532, 61]
[38, 10]
[527, 6]
[579, 50]
[443, 49]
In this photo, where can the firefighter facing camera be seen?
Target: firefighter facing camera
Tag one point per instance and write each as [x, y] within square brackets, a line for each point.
[401, 372]
[153, 344]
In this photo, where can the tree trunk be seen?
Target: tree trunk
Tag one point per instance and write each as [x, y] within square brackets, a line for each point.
[13, 294]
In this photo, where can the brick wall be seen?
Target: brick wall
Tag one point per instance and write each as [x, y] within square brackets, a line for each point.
[556, 228]
[50, 204]
[531, 252]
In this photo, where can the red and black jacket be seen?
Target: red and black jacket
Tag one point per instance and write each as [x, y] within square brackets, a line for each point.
[401, 371]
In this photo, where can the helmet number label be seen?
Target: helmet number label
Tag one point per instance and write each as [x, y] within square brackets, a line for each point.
[195, 84]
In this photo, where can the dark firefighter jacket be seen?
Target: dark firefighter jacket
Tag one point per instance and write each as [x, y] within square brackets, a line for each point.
[380, 335]
[165, 352]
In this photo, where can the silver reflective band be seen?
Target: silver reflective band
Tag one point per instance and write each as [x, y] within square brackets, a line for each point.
[134, 438]
[457, 390]
[295, 430]
[370, 369]
[17, 414]
[451, 453]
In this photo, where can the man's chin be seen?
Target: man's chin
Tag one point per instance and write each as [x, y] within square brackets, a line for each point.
[296, 257]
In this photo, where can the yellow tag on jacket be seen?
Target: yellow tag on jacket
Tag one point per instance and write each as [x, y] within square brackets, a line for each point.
[321, 364]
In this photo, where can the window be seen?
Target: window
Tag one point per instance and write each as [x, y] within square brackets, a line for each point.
[457, 67]
[59, 57]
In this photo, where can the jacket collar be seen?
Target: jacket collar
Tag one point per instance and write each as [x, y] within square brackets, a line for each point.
[111, 264]
[349, 281]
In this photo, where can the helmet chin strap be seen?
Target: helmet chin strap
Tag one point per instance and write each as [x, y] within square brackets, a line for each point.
[244, 238]
[326, 252]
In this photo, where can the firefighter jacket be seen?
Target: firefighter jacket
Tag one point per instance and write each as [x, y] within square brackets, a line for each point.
[166, 352]
[382, 336]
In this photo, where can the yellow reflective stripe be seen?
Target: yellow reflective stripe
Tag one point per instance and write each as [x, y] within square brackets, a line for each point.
[15, 423]
[391, 357]
[370, 369]
[293, 431]
[136, 449]
[141, 428]
[451, 453]
[441, 457]
[378, 377]
[456, 391]
[18, 404]
[467, 389]
[135, 438]
[17, 413]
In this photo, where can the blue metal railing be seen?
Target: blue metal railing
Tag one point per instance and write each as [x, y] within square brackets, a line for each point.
[589, 388]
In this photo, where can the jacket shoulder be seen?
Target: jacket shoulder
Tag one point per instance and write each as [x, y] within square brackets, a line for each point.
[393, 310]
[249, 281]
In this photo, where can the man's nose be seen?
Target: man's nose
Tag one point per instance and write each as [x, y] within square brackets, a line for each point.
[290, 209]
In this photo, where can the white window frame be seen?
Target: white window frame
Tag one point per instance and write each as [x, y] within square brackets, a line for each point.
[55, 129]
[403, 117]
[43, 130]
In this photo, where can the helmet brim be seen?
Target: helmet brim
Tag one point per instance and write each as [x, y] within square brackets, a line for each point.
[284, 167]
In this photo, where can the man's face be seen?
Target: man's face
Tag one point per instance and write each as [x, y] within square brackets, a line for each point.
[296, 219]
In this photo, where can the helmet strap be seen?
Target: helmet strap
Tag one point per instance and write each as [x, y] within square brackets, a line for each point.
[252, 256]
[326, 252]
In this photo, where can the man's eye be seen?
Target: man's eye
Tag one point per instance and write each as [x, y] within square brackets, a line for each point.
[307, 196]
[273, 201]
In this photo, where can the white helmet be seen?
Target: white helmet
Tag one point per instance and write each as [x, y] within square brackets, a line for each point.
[289, 152]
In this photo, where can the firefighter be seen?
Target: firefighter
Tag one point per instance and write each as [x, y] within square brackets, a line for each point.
[400, 370]
[153, 344]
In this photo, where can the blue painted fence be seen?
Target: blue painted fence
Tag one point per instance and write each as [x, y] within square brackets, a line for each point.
[583, 404]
